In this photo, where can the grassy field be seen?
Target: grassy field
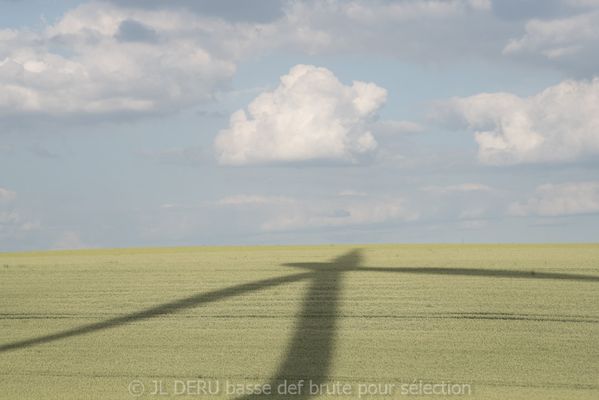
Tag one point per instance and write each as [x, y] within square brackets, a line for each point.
[510, 321]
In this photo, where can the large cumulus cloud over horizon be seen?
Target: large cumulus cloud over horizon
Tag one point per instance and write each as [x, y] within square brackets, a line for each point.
[311, 115]
[559, 124]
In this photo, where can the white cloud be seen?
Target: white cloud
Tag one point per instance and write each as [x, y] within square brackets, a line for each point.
[429, 29]
[560, 199]
[101, 59]
[437, 31]
[341, 213]
[569, 43]
[128, 60]
[311, 115]
[348, 208]
[423, 30]
[558, 124]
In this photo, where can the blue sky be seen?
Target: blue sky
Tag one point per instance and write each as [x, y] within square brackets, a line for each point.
[127, 123]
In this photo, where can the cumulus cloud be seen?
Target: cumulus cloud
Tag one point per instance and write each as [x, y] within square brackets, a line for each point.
[137, 58]
[567, 42]
[311, 115]
[558, 124]
[99, 59]
[552, 200]
[127, 58]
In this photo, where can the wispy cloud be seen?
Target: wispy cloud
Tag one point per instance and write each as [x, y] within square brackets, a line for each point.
[552, 200]
[458, 188]
[340, 214]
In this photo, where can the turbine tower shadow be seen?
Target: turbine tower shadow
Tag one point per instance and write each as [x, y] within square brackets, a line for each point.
[310, 351]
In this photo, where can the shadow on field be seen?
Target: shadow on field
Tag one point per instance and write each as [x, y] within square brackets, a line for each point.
[487, 273]
[162, 309]
[310, 350]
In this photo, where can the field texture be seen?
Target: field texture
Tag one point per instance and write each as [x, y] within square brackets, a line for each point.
[397, 321]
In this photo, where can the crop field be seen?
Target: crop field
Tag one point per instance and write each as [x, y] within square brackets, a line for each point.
[374, 321]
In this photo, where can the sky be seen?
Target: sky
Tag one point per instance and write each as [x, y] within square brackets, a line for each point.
[165, 123]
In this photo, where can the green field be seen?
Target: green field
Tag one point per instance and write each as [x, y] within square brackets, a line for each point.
[510, 321]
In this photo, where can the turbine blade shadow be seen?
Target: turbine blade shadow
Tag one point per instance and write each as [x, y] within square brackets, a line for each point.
[162, 309]
[495, 273]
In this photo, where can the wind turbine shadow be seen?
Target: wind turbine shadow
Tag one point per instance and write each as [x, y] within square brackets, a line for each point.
[487, 273]
[162, 309]
[310, 350]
